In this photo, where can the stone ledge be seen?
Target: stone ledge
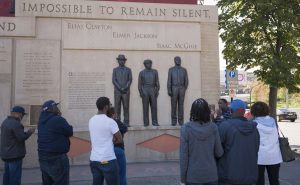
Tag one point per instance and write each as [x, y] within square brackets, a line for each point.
[150, 127]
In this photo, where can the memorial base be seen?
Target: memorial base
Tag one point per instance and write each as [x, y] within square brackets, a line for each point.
[142, 144]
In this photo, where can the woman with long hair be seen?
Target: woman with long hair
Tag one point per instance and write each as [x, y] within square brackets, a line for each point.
[200, 145]
[269, 155]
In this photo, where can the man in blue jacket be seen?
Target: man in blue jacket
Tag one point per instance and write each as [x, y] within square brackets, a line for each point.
[53, 145]
[13, 145]
[240, 140]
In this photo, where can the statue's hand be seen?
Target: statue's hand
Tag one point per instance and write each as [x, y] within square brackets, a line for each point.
[156, 94]
[142, 95]
[123, 90]
[170, 93]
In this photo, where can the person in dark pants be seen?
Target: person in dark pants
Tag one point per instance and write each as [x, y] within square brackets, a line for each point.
[269, 155]
[13, 145]
[240, 140]
[177, 85]
[104, 132]
[148, 86]
[122, 79]
[53, 145]
[119, 147]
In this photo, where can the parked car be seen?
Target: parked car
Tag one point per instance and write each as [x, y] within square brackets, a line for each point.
[286, 114]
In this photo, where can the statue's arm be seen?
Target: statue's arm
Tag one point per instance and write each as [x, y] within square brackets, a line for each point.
[140, 84]
[157, 82]
[114, 80]
[129, 80]
[186, 79]
[169, 83]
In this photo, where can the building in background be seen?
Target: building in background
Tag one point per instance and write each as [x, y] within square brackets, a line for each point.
[245, 84]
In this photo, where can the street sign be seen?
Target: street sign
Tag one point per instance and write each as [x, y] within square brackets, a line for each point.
[232, 74]
[232, 93]
[232, 79]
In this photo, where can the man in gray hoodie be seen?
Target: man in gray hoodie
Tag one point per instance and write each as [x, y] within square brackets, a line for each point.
[240, 140]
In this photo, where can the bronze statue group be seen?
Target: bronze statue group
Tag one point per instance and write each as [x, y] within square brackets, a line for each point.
[148, 85]
[221, 147]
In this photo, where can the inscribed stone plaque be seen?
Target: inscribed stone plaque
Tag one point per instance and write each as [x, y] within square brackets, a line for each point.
[131, 35]
[5, 77]
[17, 26]
[37, 71]
[116, 10]
[35, 111]
[84, 87]
[87, 75]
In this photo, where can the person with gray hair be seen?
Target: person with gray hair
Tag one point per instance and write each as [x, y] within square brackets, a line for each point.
[148, 86]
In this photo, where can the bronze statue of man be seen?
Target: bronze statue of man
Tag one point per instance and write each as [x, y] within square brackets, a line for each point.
[148, 85]
[122, 78]
[177, 85]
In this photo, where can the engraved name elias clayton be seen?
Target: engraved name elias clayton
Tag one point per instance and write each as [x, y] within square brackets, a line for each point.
[89, 26]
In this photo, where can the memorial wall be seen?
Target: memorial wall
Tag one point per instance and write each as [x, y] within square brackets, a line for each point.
[66, 51]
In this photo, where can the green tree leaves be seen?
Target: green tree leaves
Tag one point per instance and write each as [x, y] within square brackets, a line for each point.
[265, 35]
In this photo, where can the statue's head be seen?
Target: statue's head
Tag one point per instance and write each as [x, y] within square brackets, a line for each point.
[148, 63]
[121, 60]
[177, 61]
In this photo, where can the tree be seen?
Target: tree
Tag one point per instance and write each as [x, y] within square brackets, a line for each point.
[264, 35]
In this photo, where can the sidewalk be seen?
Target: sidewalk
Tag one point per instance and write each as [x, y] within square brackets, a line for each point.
[154, 173]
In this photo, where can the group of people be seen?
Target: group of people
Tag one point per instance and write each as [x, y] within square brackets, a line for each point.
[53, 145]
[229, 149]
[225, 150]
[107, 160]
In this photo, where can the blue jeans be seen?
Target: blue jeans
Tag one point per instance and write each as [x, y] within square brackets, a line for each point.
[55, 170]
[208, 183]
[108, 171]
[12, 172]
[121, 158]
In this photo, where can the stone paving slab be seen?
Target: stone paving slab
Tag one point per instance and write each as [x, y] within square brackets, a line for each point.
[154, 173]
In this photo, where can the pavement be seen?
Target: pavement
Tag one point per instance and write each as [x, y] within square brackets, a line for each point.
[151, 173]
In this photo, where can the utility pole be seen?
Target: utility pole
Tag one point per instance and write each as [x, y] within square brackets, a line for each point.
[287, 98]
